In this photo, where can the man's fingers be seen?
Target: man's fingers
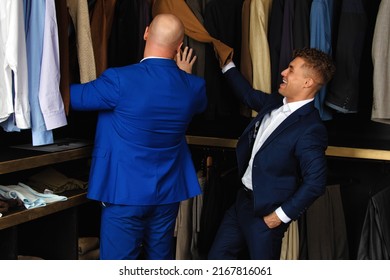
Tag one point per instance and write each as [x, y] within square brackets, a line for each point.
[189, 55]
[184, 53]
[193, 60]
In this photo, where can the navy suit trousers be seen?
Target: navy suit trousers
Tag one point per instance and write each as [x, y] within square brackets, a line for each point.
[240, 230]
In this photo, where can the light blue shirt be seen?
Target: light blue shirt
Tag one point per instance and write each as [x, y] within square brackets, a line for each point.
[35, 22]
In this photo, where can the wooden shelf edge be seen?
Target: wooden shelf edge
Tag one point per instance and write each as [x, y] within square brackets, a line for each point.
[27, 215]
[211, 141]
[358, 153]
[44, 159]
[333, 151]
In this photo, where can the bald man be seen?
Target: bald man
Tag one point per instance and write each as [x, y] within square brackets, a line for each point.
[141, 165]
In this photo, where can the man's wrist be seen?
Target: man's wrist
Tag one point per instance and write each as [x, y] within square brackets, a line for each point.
[228, 66]
[282, 216]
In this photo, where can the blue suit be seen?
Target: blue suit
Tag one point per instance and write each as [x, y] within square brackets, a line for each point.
[140, 156]
[289, 170]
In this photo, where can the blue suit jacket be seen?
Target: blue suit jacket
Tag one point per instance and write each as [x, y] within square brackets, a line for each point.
[140, 155]
[289, 170]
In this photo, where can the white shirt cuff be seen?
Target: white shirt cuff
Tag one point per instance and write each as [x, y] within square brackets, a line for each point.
[282, 216]
[228, 66]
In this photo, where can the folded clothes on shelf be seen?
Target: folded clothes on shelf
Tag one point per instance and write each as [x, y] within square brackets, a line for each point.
[55, 181]
[29, 197]
[88, 248]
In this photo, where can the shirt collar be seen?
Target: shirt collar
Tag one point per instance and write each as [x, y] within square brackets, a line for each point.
[153, 57]
[293, 106]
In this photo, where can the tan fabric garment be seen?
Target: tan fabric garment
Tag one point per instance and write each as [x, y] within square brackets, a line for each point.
[79, 13]
[290, 243]
[193, 28]
[87, 244]
[184, 230]
[381, 76]
[258, 44]
[91, 255]
[187, 225]
[101, 23]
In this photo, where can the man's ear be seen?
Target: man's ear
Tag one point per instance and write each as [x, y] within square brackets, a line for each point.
[179, 47]
[309, 82]
[146, 33]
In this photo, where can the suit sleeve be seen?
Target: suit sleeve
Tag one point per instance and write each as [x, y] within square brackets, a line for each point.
[310, 151]
[244, 91]
[100, 94]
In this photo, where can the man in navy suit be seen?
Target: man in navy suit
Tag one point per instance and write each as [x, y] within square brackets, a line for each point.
[141, 165]
[281, 158]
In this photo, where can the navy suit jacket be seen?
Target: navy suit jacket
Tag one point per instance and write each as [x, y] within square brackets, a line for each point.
[140, 154]
[289, 170]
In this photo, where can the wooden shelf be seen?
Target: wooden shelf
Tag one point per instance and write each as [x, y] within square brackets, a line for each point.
[22, 216]
[44, 159]
[75, 198]
[345, 152]
[211, 141]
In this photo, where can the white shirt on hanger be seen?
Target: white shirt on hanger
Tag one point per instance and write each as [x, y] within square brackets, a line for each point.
[50, 99]
[13, 61]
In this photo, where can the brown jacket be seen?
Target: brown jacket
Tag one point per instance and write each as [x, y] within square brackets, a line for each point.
[193, 28]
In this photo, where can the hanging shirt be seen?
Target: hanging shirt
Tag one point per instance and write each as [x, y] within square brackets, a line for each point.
[9, 125]
[34, 25]
[50, 98]
[13, 61]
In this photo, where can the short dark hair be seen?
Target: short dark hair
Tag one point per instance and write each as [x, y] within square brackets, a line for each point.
[319, 61]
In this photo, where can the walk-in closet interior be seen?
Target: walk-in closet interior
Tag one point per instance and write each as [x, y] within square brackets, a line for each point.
[45, 146]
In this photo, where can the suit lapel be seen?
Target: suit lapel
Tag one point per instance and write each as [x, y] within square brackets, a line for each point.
[290, 120]
[251, 130]
[245, 143]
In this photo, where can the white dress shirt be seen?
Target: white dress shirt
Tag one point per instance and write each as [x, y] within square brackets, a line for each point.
[50, 99]
[13, 61]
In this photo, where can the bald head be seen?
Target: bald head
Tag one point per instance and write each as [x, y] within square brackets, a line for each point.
[164, 36]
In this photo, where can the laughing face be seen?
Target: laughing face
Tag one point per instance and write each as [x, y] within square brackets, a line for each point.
[297, 83]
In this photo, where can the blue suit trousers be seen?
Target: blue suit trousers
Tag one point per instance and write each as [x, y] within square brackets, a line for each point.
[130, 232]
